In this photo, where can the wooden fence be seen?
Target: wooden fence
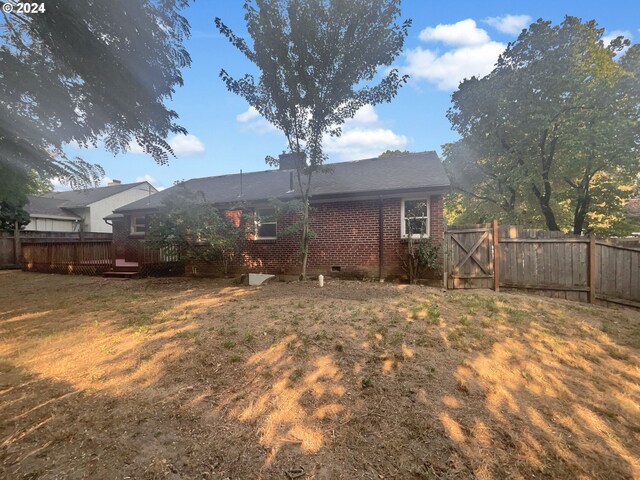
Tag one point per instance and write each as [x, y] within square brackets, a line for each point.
[10, 245]
[8, 257]
[89, 257]
[576, 268]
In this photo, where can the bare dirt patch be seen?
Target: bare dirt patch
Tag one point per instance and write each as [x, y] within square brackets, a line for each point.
[187, 378]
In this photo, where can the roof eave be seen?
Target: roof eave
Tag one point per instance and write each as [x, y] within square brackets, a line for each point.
[432, 189]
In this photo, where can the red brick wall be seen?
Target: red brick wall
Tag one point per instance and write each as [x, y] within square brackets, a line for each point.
[346, 237]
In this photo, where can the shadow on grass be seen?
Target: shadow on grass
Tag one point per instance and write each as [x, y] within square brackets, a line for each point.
[199, 379]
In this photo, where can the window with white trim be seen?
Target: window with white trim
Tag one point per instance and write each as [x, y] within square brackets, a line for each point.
[138, 224]
[266, 224]
[415, 218]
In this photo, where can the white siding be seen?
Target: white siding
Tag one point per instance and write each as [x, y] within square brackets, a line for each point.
[51, 225]
[104, 207]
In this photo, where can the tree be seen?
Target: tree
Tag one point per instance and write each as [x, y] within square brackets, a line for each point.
[318, 60]
[83, 72]
[390, 153]
[12, 216]
[14, 196]
[195, 230]
[551, 135]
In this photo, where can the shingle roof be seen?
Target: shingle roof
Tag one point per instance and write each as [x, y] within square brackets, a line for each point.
[83, 198]
[48, 207]
[398, 172]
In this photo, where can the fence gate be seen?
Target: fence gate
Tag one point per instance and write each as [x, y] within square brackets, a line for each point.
[469, 256]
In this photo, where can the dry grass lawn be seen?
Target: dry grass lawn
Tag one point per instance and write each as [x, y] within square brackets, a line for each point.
[189, 378]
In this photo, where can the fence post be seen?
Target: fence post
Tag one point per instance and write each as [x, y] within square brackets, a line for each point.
[445, 259]
[496, 256]
[592, 269]
[17, 245]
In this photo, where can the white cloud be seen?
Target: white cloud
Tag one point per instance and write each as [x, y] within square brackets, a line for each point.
[251, 120]
[58, 186]
[512, 24]
[608, 36]
[364, 116]
[146, 178]
[105, 181]
[186, 144]
[135, 148]
[363, 136]
[151, 179]
[360, 143]
[181, 144]
[447, 70]
[76, 146]
[250, 114]
[464, 32]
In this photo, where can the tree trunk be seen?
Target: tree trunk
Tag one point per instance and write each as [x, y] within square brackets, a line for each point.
[305, 239]
[546, 160]
[545, 208]
[549, 217]
[580, 213]
[583, 202]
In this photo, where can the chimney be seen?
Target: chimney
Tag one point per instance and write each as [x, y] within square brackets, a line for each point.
[289, 161]
[114, 182]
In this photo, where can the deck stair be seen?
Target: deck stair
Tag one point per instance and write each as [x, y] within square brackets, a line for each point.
[123, 270]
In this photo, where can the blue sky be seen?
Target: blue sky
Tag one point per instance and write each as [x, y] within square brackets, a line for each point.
[448, 41]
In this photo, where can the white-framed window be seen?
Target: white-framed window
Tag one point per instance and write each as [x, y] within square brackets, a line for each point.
[416, 214]
[138, 224]
[266, 224]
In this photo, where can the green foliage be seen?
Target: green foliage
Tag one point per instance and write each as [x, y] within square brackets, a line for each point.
[195, 229]
[550, 137]
[14, 188]
[318, 62]
[422, 255]
[84, 71]
[293, 211]
[10, 214]
[391, 153]
[427, 254]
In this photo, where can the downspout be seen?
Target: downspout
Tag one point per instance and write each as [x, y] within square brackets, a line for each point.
[381, 238]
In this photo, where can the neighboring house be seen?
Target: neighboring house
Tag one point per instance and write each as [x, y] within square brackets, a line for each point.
[83, 210]
[352, 203]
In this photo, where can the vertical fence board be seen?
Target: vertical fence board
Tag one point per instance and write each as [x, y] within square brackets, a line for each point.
[548, 262]
[88, 257]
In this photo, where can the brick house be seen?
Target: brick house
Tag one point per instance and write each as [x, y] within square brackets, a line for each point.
[352, 204]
